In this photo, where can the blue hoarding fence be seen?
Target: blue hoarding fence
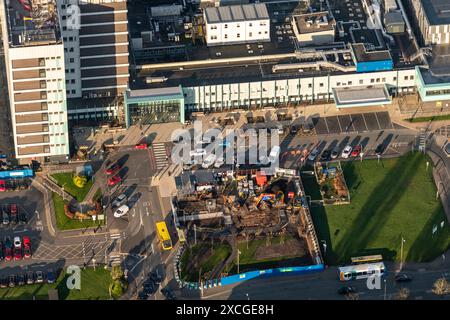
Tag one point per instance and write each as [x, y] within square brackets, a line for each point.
[16, 174]
[254, 274]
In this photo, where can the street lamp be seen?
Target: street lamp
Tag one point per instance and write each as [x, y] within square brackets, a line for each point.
[401, 254]
[238, 254]
[324, 244]
[384, 289]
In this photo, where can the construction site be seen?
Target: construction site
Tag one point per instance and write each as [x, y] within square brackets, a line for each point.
[240, 221]
[331, 181]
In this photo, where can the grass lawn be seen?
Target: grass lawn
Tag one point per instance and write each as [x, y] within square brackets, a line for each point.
[65, 179]
[432, 118]
[94, 286]
[390, 199]
[63, 222]
[220, 254]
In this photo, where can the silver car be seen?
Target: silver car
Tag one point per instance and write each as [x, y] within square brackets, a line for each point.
[120, 200]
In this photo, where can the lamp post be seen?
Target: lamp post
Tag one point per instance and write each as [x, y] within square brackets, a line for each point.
[401, 254]
[384, 289]
[238, 254]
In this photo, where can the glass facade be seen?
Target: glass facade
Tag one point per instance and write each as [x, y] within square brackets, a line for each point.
[158, 111]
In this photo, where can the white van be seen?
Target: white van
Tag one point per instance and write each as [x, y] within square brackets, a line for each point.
[209, 161]
[274, 154]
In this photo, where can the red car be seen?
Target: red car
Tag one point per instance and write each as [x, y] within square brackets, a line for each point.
[114, 180]
[2, 186]
[26, 247]
[141, 146]
[113, 169]
[8, 253]
[356, 151]
[17, 253]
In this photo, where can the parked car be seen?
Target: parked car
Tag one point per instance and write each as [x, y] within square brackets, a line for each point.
[346, 290]
[4, 282]
[51, 276]
[293, 130]
[123, 210]
[2, 186]
[219, 162]
[17, 242]
[346, 152]
[150, 287]
[114, 180]
[379, 150]
[142, 295]
[5, 218]
[356, 151]
[402, 277]
[2, 251]
[113, 169]
[12, 281]
[141, 146]
[39, 277]
[313, 155]
[335, 153]
[119, 200]
[326, 155]
[30, 277]
[26, 247]
[13, 213]
[18, 253]
[8, 249]
[307, 127]
[168, 294]
[20, 279]
[23, 218]
[155, 277]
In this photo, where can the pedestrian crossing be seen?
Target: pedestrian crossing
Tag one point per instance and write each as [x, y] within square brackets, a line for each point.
[160, 153]
[115, 259]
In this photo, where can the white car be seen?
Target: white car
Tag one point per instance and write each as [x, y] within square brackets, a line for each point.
[209, 161]
[123, 210]
[312, 156]
[219, 162]
[346, 152]
[17, 242]
[197, 152]
[120, 200]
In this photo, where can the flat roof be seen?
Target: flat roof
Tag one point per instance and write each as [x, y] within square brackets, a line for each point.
[234, 13]
[155, 92]
[437, 11]
[314, 22]
[361, 95]
[362, 55]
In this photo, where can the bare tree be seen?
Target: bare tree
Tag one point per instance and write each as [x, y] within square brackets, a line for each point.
[403, 294]
[441, 287]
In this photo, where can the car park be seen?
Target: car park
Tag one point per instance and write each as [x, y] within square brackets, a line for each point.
[346, 152]
[119, 200]
[114, 168]
[123, 210]
[39, 277]
[11, 281]
[114, 180]
[356, 151]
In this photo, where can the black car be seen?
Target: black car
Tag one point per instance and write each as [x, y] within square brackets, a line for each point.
[39, 277]
[51, 277]
[294, 129]
[142, 296]
[402, 277]
[307, 127]
[12, 281]
[20, 279]
[2, 251]
[23, 219]
[326, 156]
[150, 287]
[168, 294]
[155, 277]
[346, 290]
[4, 282]
[379, 150]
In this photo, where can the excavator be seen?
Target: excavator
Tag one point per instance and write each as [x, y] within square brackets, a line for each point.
[265, 197]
